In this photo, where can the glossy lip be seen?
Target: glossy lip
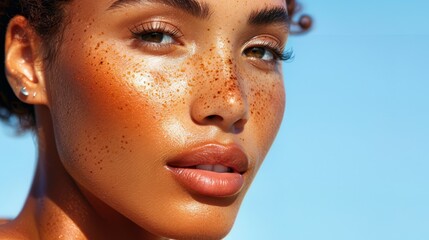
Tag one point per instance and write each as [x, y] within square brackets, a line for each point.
[209, 183]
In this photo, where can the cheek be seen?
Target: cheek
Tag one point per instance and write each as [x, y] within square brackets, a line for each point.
[102, 110]
[266, 104]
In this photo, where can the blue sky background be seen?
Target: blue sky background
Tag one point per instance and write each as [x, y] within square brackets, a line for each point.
[351, 160]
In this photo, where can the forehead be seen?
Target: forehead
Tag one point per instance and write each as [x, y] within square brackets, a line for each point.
[211, 2]
[215, 6]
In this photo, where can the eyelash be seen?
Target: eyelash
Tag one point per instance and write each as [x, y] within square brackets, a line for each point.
[285, 55]
[155, 27]
[277, 51]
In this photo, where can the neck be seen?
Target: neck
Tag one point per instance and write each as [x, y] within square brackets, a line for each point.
[57, 206]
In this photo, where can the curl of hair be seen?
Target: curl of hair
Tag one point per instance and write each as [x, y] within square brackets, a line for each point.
[47, 19]
[303, 22]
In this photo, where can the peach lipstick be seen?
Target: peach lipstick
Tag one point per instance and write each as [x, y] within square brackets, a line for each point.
[211, 170]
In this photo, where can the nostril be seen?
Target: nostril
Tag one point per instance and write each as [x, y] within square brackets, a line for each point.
[214, 118]
[239, 125]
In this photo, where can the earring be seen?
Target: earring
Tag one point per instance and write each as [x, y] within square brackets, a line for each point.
[24, 91]
[34, 94]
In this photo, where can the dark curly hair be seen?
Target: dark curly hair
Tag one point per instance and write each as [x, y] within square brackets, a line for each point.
[46, 17]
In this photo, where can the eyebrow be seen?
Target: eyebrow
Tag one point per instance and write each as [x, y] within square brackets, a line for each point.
[276, 15]
[192, 7]
[266, 16]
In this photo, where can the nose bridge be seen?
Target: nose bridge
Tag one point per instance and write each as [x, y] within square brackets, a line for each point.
[231, 81]
[223, 101]
[232, 87]
[226, 71]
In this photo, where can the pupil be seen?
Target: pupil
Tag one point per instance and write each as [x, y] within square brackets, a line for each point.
[155, 37]
[256, 52]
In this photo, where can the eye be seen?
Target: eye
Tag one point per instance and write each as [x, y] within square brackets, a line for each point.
[157, 37]
[259, 52]
[266, 49]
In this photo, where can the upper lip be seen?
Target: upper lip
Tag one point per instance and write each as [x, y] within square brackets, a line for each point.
[211, 154]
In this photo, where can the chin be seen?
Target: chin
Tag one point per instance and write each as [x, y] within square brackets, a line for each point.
[210, 219]
[200, 230]
[205, 234]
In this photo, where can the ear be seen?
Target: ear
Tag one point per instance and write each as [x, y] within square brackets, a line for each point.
[22, 62]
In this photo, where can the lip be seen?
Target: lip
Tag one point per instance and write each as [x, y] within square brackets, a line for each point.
[210, 183]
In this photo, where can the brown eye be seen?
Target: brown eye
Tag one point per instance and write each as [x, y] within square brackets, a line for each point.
[259, 52]
[157, 37]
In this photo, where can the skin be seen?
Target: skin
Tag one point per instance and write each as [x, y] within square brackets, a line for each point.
[112, 109]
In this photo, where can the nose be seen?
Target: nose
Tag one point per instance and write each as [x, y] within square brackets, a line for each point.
[222, 102]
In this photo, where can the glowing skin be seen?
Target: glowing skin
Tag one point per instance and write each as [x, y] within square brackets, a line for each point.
[121, 105]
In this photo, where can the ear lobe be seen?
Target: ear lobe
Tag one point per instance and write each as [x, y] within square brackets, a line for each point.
[21, 54]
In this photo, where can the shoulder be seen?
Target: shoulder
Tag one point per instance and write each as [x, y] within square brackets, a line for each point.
[8, 231]
[3, 221]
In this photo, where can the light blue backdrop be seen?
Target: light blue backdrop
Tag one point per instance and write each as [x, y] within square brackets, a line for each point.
[351, 160]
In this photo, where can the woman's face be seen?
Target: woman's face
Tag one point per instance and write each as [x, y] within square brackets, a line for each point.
[164, 110]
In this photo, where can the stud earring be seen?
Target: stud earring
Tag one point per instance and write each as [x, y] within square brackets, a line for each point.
[24, 91]
[34, 94]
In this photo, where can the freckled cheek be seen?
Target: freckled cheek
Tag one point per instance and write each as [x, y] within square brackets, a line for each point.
[100, 114]
[107, 96]
[267, 103]
[112, 83]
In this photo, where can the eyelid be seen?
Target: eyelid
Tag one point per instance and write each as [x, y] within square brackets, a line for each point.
[265, 37]
[156, 26]
[273, 44]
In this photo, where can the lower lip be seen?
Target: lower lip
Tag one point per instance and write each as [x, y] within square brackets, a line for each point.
[209, 183]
